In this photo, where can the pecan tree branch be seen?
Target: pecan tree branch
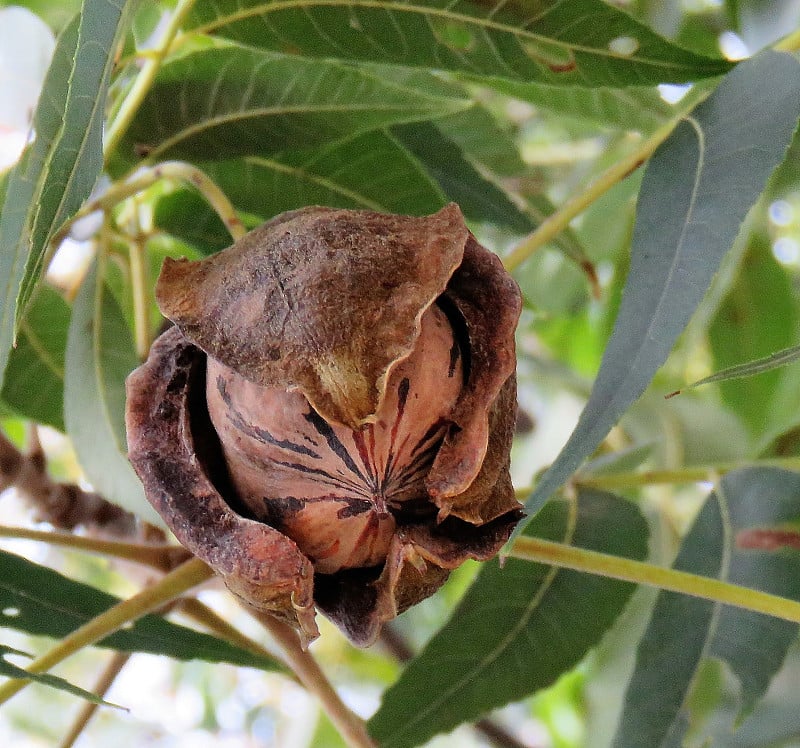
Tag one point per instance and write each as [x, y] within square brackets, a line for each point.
[63, 505]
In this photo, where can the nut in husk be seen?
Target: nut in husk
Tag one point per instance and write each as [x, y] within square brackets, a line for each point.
[328, 424]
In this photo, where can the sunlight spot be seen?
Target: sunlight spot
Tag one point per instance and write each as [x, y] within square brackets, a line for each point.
[672, 93]
[786, 250]
[781, 212]
[624, 46]
[70, 262]
[11, 612]
[732, 46]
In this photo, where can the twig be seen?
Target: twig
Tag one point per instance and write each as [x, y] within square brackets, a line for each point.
[147, 177]
[141, 86]
[694, 474]
[140, 282]
[63, 505]
[615, 567]
[160, 556]
[213, 622]
[350, 726]
[106, 680]
[555, 223]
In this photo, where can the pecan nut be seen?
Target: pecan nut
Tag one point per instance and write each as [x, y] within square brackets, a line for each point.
[329, 422]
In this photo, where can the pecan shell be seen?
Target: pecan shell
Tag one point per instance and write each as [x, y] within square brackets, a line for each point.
[329, 422]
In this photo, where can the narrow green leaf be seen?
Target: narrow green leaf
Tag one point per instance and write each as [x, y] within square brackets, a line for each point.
[468, 154]
[755, 323]
[582, 42]
[634, 108]
[100, 354]
[220, 103]
[42, 602]
[484, 141]
[746, 534]
[758, 366]
[371, 171]
[479, 199]
[59, 170]
[519, 627]
[710, 172]
[34, 382]
[9, 670]
[493, 151]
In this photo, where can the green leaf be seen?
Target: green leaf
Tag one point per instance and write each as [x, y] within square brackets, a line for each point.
[484, 141]
[582, 42]
[42, 602]
[635, 108]
[100, 354]
[470, 155]
[220, 103]
[371, 171]
[494, 152]
[478, 198]
[757, 318]
[746, 534]
[696, 192]
[60, 168]
[9, 670]
[56, 15]
[518, 628]
[34, 383]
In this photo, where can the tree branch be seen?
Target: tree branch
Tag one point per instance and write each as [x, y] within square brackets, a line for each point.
[63, 505]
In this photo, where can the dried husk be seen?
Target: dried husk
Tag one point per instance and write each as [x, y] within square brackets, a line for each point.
[327, 302]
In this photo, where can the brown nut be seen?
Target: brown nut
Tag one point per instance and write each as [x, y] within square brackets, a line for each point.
[329, 422]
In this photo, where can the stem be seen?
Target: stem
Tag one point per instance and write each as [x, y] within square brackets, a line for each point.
[213, 622]
[106, 680]
[147, 177]
[639, 572]
[137, 256]
[789, 43]
[173, 585]
[145, 79]
[555, 223]
[350, 726]
[682, 475]
[63, 505]
[161, 557]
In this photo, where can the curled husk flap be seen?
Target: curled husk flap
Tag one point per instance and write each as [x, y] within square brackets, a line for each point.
[327, 306]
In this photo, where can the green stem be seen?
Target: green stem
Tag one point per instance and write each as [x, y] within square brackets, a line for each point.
[350, 726]
[144, 80]
[708, 473]
[639, 572]
[162, 557]
[171, 586]
[140, 284]
[213, 622]
[789, 43]
[555, 223]
[145, 178]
